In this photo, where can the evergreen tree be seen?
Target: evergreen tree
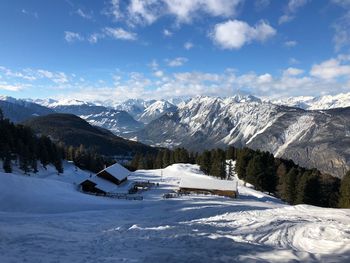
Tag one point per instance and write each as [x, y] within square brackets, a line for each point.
[230, 170]
[7, 164]
[269, 180]
[344, 199]
[243, 157]
[136, 161]
[230, 153]
[34, 165]
[166, 158]
[287, 186]
[205, 162]
[255, 172]
[159, 160]
[308, 191]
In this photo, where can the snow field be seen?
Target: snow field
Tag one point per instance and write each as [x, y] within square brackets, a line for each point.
[45, 219]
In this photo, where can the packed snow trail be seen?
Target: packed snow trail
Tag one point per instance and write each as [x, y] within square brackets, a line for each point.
[47, 220]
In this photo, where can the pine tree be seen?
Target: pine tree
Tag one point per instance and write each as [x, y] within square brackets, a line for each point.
[159, 160]
[288, 184]
[230, 153]
[255, 172]
[7, 164]
[243, 157]
[230, 170]
[205, 162]
[166, 158]
[308, 191]
[269, 180]
[34, 165]
[344, 199]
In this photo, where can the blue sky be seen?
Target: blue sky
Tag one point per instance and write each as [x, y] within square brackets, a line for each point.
[115, 50]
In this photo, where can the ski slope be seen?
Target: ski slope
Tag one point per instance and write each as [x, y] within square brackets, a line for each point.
[43, 218]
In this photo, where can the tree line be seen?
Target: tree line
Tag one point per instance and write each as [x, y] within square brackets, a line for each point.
[19, 145]
[276, 176]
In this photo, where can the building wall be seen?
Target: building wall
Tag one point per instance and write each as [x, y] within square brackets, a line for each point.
[228, 193]
[89, 187]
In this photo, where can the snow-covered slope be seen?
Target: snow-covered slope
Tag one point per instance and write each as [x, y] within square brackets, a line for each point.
[341, 100]
[44, 219]
[146, 110]
[135, 107]
[156, 110]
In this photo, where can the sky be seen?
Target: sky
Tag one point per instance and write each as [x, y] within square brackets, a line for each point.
[113, 50]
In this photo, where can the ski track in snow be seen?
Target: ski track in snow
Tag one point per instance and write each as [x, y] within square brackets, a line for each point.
[43, 220]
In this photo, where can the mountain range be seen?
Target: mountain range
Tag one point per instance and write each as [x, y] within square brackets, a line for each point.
[313, 132]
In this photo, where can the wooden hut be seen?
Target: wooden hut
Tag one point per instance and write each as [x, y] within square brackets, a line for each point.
[115, 173]
[202, 185]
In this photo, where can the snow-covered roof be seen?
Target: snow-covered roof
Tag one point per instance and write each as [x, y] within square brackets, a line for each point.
[108, 186]
[209, 183]
[117, 171]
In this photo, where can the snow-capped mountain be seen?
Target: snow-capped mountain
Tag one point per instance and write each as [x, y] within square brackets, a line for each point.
[341, 100]
[310, 138]
[18, 110]
[146, 111]
[135, 107]
[117, 121]
[156, 110]
[51, 103]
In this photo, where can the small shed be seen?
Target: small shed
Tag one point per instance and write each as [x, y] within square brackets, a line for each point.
[203, 185]
[90, 186]
[115, 173]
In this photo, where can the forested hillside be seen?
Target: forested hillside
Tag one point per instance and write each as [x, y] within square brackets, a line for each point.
[21, 147]
[74, 131]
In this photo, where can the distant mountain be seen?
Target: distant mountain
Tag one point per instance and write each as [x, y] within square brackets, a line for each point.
[156, 110]
[19, 110]
[311, 138]
[146, 111]
[135, 107]
[341, 100]
[119, 122]
[73, 130]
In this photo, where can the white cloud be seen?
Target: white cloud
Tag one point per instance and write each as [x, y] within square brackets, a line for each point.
[234, 34]
[72, 36]
[83, 14]
[292, 72]
[188, 45]
[332, 68]
[145, 12]
[93, 38]
[9, 87]
[184, 11]
[290, 43]
[29, 13]
[292, 7]
[56, 77]
[167, 33]
[114, 9]
[176, 62]
[341, 26]
[120, 33]
[159, 73]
